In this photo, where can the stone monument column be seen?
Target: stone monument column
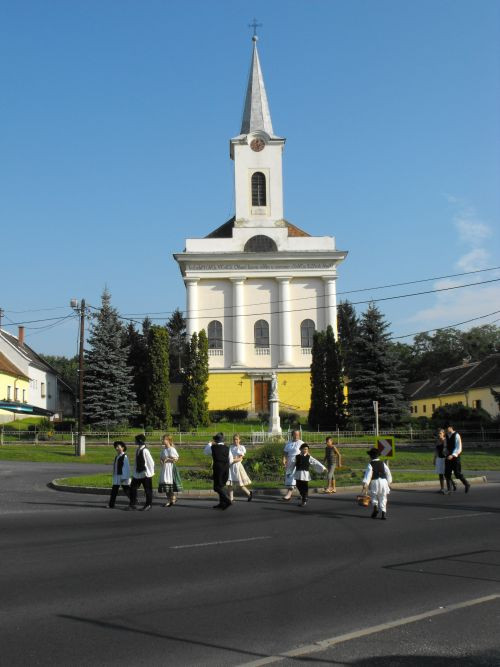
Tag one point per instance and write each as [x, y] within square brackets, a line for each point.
[274, 408]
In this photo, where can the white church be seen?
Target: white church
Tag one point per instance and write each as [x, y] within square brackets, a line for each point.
[259, 285]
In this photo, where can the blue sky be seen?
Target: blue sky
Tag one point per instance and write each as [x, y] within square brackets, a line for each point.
[115, 120]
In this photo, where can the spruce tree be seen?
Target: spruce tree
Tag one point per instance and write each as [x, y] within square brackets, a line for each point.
[158, 393]
[376, 374]
[138, 360]
[317, 410]
[176, 327]
[348, 330]
[109, 397]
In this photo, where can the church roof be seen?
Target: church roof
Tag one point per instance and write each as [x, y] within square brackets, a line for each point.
[256, 114]
[225, 231]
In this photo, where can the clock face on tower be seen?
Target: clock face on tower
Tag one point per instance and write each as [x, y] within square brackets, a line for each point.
[257, 145]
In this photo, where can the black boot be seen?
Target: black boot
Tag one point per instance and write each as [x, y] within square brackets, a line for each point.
[383, 517]
[375, 512]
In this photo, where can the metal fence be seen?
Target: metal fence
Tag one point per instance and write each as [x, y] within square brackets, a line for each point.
[407, 436]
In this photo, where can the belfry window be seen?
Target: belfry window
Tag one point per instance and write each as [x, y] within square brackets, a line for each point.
[307, 329]
[259, 189]
[261, 334]
[260, 243]
[214, 333]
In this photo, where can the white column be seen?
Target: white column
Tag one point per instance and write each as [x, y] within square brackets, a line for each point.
[191, 305]
[238, 321]
[285, 322]
[330, 302]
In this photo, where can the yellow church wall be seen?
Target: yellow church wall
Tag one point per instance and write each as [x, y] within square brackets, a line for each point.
[294, 390]
[229, 391]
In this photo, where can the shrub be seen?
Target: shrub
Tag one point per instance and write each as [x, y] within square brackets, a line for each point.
[228, 415]
[289, 419]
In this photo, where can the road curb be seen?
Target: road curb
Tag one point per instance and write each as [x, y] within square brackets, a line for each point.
[208, 493]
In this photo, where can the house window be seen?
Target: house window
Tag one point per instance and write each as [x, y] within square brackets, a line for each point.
[261, 334]
[424, 408]
[258, 189]
[477, 404]
[9, 392]
[306, 333]
[16, 393]
[214, 332]
[415, 409]
[42, 389]
[24, 395]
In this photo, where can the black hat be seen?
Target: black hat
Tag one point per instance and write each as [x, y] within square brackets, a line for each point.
[140, 439]
[121, 443]
[304, 445]
[219, 437]
[373, 453]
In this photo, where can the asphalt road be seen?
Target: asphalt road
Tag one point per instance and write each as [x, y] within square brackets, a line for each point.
[265, 582]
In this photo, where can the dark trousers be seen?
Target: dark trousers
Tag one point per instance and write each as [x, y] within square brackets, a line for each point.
[114, 493]
[220, 477]
[453, 466]
[303, 488]
[147, 483]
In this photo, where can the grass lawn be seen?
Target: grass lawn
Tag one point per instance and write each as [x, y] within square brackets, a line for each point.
[348, 479]
[356, 459]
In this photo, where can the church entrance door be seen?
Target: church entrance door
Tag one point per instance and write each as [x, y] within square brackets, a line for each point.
[262, 390]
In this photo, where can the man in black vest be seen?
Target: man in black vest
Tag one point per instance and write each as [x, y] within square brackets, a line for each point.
[221, 459]
[453, 463]
[143, 474]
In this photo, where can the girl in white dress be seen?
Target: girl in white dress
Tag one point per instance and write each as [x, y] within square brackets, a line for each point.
[291, 450]
[170, 481]
[237, 473]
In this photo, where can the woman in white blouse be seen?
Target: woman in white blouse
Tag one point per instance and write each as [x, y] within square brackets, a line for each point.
[170, 481]
[237, 473]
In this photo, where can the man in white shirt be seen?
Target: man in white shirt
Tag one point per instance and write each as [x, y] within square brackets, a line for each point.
[143, 474]
[292, 448]
[452, 462]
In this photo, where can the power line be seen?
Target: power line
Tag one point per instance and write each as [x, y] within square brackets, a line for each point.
[321, 296]
[336, 306]
[450, 326]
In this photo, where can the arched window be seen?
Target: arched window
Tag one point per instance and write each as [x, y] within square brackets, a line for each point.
[214, 332]
[261, 334]
[260, 243]
[259, 189]
[307, 329]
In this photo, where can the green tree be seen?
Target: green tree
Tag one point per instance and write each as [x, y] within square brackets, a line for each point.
[479, 342]
[348, 331]
[327, 410]
[201, 379]
[376, 374]
[138, 361]
[176, 327]
[188, 403]
[66, 368]
[108, 392]
[158, 394]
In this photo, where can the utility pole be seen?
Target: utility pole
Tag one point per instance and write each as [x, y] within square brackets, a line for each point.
[2, 313]
[375, 408]
[79, 307]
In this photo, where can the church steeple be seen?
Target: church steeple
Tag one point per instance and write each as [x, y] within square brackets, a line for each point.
[256, 114]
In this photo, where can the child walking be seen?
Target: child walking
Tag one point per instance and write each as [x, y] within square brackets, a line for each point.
[332, 456]
[237, 473]
[377, 479]
[303, 462]
[121, 473]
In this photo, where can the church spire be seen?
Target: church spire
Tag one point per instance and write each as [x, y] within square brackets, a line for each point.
[256, 115]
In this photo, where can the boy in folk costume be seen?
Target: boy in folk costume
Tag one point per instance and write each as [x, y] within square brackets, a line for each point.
[121, 473]
[221, 459]
[376, 480]
[453, 463]
[303, 462]
[143, 474]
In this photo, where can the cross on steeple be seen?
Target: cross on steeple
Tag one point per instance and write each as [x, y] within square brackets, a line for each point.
[255, 25]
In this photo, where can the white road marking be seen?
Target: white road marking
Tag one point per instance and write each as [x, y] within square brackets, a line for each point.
[457, 516]
[328, 643]
[210, 544]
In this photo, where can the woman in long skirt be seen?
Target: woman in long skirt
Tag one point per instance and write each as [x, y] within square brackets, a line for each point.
[237, 473]
[170, 480]
[292, 448]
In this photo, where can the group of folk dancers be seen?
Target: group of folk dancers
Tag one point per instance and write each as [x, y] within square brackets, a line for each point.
[228, 471]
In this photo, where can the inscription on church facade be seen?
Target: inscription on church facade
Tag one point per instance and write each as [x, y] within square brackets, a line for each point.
[247, 266]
